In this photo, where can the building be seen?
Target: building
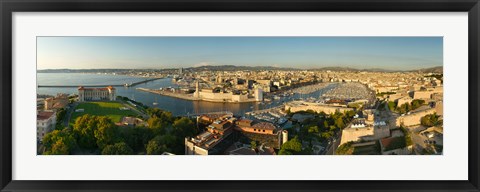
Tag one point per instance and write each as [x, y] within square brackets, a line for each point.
[358, 130]
[258, 94]
[96, 94]
[212, 95]
[58, 102]
[223, 130]
[250, 126]
[414, 117]
[213, 141]
[46, 121]
[132, 121]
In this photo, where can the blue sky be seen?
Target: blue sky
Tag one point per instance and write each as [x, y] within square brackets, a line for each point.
[394, 53]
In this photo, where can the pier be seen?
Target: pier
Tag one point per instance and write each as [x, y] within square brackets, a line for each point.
[117, 85]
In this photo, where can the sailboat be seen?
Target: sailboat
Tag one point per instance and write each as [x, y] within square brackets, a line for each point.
[155, 103]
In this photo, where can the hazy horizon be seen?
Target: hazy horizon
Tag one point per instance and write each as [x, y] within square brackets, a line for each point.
[389, 53]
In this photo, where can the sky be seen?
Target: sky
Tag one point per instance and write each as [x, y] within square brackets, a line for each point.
[391, 53]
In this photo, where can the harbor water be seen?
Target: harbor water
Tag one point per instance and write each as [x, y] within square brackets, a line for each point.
[175, 105]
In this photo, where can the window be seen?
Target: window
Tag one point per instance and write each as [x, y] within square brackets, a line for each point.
[254, 129]
[263, 130]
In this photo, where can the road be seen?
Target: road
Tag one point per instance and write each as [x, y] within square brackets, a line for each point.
[68, 114]
[334, 145]
[145, 116]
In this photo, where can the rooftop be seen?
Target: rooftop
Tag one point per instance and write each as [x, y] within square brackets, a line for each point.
[264, 125]
[43, 115]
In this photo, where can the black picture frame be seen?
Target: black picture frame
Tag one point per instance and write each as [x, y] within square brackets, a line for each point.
[7, 7]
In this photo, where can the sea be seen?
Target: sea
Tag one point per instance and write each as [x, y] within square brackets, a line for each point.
[178, 107]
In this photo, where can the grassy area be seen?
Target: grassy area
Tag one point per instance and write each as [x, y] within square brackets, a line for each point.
[110, 109]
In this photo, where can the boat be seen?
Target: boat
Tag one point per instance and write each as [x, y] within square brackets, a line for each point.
[155, 103]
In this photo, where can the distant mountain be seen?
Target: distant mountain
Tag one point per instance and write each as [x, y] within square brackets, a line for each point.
[237, 68]
[438, 69]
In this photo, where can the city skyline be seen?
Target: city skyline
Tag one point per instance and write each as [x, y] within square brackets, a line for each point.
[390, 53]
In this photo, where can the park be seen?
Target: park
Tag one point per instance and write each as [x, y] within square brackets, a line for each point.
[113, 110]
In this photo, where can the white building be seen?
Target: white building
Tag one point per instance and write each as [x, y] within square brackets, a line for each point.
[258, 94]
[46, 121]
[96, 94]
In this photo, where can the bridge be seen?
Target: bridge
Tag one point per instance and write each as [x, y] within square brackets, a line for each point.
[117, 85]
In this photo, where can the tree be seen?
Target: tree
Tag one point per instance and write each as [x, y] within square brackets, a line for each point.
[59, 142]
[117, 149]
[284, 152]
[154, 148]
[84, 129]
[94, 132]
[392, 105]
[327, 134]
[431, 120]
[136, 137]
[339, 123]
[106, 132]
[160, 144]
[157, 125]
[313, 129]
[60, 117]
[58, 148]
[416, 103]
[185, 127]
[292, 146]
[253, 144]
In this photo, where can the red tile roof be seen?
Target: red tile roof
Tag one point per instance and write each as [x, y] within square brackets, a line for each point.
[43, 115]
[264, 125]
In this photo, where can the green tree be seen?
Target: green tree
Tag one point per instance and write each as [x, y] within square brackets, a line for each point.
[117, 149]
[136, 137]
[339, 123]
[293, 146]
[392, 105]
[185, 127]
[84, 130]
[106, 132]
[253, 144]
[60, 117]
[58, 148]
[416, 103]
[93, 132]
[155, 148]
[313, 129]
[160, 144]
[327, 134]
[431, 120]
[59, 142]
